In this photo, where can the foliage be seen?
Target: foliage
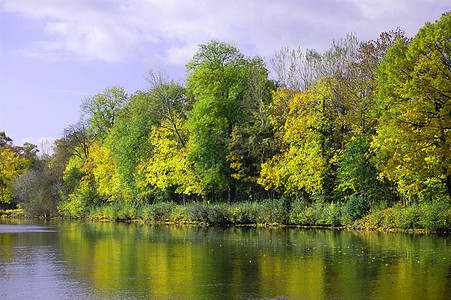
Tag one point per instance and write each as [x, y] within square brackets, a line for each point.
[357, 174]
[162, 106]
[247, 212]
[357, 133]
[103, 109]
[105, 174]
[219, 79]
[435, 215]
[313, 133]
[38, 191]
[78, 203]
[168, 166]
[356, 207]
[413, 136]
[11, 166]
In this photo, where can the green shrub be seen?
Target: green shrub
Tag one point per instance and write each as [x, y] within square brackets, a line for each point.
[178, 213]
[78, 203]
[310, 215]
[126, 212]
[160, 211]
[297, 211]
[274, 211]
[332, 214]
[197, 212]
[244, 212]
[435, 216]
[217, 214]
[356, 207]
[110, 212]
[209, 213]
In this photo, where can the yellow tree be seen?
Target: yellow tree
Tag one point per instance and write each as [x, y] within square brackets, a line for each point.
[413, 138]
[11, 166]
[312, 130]
[167, 168]
[314, 135]
[271, 174]
[102, 167]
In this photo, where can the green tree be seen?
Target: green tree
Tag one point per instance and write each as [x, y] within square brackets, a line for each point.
[129, 141]
[413, 140]
[249, 143]
[218, 80]
[39, 189]
[357, 174]
[103, 109]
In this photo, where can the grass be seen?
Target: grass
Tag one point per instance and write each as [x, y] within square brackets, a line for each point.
[431, 216]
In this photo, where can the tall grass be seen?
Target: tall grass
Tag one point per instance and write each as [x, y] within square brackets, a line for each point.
[353, 212]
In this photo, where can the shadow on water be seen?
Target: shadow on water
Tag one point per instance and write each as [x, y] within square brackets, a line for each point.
[121, 260]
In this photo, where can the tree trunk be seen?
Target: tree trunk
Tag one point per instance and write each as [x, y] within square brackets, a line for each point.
[231, 193]
[448, 185]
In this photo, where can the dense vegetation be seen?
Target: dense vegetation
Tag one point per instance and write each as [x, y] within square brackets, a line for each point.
[361, 132]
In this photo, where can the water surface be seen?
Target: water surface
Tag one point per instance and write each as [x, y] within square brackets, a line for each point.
[79, 260]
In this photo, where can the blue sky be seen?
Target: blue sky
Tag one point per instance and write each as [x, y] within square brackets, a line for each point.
[55, 53]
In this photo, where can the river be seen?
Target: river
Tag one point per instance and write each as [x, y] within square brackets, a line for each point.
[94, 260]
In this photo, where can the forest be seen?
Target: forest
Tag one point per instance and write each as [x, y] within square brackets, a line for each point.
[359, 134]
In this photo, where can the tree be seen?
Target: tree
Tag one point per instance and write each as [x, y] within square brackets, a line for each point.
[39, 190]
[218, 81]
[103, 109]
[76, 141]
[361, 85]
[357, 174]
[5, 140]
[129, 141]
[109, 183]
[413, 140]
[298, 70]
[11, 166]
[249, 143]
[168, 168]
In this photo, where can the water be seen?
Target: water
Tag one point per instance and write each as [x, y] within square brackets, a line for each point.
[78, 260]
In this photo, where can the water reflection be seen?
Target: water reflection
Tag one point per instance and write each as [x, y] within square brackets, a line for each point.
[119, 260]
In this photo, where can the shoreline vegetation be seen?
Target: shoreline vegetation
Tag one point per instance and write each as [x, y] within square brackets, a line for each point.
[418, 219]
[357, 136]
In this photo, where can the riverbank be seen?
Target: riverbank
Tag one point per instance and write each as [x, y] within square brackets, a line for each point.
[416, 218]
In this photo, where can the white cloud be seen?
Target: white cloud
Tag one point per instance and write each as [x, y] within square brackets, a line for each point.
[115, 30]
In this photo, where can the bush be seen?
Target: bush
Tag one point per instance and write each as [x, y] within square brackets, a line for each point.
[426, 215]
[244, 212]
[197, 212]
[332, 214]
[209, 213]
[356, 207]
[160, 211]
[307, 214]
[274, 211]
[178, 213]
[217, 214]
[435, 216]
[78, 203]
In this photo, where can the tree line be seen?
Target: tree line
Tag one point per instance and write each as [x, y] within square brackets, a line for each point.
[363, 122]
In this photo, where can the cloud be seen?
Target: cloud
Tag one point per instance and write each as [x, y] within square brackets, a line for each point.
[170, 30]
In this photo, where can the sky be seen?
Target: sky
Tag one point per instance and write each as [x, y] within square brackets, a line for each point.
[55, 53]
